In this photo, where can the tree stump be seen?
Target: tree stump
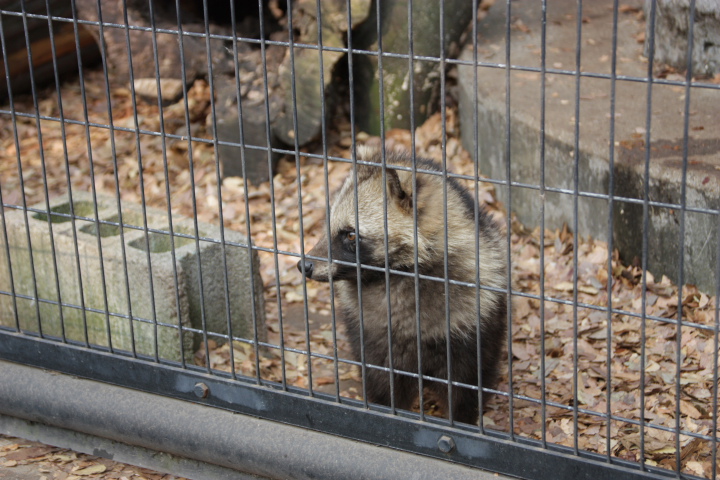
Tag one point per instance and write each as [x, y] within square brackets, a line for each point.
[395, 74]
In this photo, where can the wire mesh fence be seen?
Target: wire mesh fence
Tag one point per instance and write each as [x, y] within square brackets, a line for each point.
[503, 233]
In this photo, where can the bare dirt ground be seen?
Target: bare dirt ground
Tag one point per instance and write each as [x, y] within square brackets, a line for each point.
[627, 367]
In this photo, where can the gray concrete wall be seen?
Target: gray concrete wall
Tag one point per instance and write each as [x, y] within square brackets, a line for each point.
[594, 147]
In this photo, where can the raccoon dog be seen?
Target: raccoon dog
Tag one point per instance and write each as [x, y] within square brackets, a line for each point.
[368, 245]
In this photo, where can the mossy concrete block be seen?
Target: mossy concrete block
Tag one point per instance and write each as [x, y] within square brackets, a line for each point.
[117, 282]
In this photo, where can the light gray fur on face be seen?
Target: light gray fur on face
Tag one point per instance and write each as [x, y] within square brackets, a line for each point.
[371, 214]
[429, 201]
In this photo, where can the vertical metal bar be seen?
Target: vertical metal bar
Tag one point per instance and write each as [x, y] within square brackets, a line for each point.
[167, 182]
[9, 261]
[92, 180]
[323, 137]
[543, 67]
[103, 50]
[716, 345]
[16, 138]
[2, 201]
[141, 177]
[446, 267]
[508, 175]
[681, 249]
[416, 271]
[94, 194]
[163, 146]
[191, 166]
[86, 117]
[383, 155]
[268, 135]
[646, 227]
[218, 181]
[576, 186]
[293, 92]
[251, 263]
[28, 45]
[611, 192]
[446, 261]
[53, 52]
[353, 147]
[476, 212]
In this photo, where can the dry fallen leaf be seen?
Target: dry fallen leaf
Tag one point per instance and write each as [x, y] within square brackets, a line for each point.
[99, 468]
[31, 452]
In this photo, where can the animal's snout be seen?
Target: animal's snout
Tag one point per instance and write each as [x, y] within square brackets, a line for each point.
[309, 265]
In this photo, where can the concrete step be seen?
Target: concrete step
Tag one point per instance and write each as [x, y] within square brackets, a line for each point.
[597, 154]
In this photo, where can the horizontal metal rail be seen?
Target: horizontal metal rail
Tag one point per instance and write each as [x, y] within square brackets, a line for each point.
[209, 434]
[193, 431]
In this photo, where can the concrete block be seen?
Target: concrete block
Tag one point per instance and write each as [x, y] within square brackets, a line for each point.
[665, 247]
[143, 290]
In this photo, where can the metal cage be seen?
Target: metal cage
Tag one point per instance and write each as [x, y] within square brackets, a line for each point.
[123, 265]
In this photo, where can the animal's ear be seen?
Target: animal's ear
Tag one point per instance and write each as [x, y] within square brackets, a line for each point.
[364, 171]
[367, 153]
[399, 190]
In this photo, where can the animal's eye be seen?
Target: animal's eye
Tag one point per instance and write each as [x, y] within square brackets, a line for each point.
[351, 236]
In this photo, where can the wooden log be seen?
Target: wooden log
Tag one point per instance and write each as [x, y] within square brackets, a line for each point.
[44, 70]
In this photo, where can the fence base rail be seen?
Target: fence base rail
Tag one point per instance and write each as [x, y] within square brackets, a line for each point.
[197, 441]
[118, 451]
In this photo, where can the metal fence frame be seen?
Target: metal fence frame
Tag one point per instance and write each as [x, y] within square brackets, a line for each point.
[358, 420]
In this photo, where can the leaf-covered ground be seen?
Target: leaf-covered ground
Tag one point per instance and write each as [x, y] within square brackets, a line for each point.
[25, 459]
[642, 343]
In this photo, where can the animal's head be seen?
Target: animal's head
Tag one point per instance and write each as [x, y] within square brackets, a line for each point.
[363, 237]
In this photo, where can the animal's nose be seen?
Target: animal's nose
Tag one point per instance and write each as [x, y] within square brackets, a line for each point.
[308, 267]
